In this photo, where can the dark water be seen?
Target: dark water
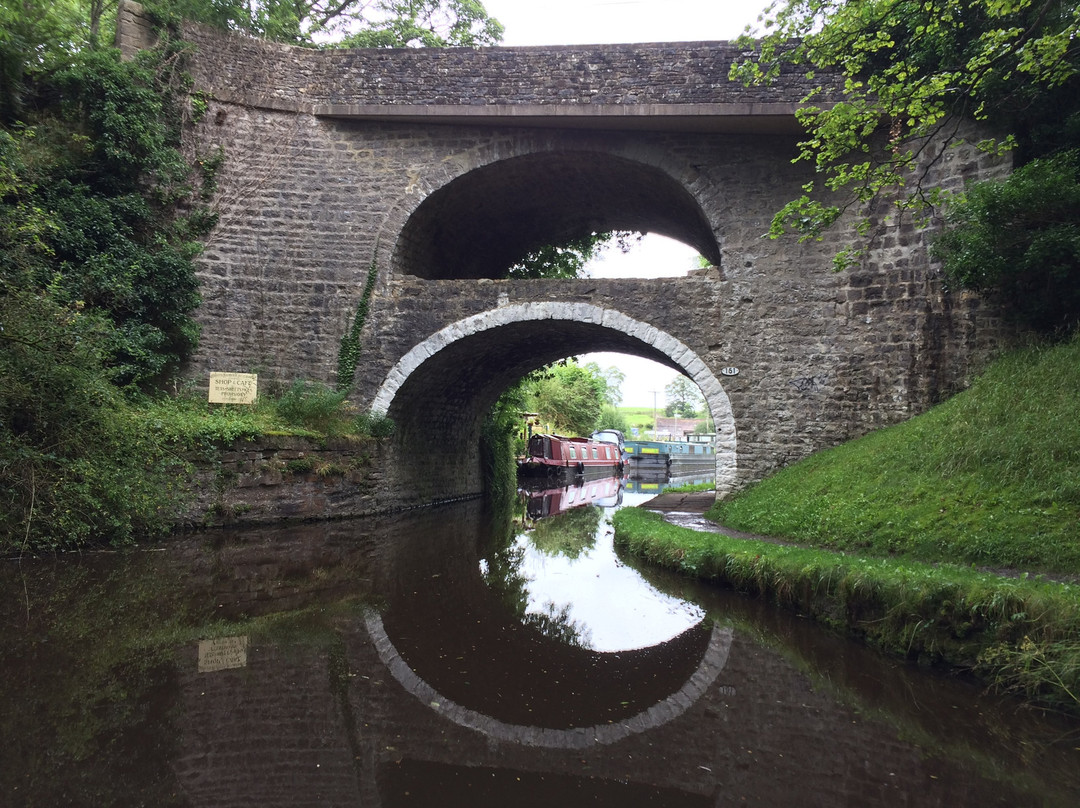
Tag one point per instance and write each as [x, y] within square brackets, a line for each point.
[446, 658]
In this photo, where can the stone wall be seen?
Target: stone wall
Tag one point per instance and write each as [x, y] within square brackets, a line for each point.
[260, 73]
[285, 478]
[133, 29]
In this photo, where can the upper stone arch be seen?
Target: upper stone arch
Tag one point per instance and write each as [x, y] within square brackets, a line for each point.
[479, 222]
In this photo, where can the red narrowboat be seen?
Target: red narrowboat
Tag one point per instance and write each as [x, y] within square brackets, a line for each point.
[555, 454]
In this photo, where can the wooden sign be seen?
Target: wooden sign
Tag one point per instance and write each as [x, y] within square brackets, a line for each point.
[233, 388]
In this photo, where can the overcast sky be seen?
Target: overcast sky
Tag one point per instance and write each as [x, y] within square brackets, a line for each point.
[596, 22]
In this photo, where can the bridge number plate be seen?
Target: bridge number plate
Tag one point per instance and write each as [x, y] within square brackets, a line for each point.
[729, 371]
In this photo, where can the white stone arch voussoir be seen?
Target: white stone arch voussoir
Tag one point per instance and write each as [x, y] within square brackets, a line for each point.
[691, 364]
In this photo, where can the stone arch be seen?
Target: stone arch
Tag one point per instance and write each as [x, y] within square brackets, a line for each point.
[477, 221]
[439, 391]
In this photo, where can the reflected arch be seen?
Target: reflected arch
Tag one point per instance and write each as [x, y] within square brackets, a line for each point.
[438, 393]
[708, 666]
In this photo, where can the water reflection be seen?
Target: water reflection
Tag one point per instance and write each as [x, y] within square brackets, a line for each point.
[575, 586]
[383, 665]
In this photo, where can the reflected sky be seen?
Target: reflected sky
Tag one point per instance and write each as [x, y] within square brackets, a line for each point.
[615, 608]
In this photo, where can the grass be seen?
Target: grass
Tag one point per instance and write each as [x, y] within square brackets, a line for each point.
[990, 477]
[304, 410]
[689, 488]
[641, 417]
[895, 524]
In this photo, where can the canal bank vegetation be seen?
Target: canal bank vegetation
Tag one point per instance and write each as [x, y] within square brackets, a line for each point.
[991, 477]
[84, 464]
[898, 530]
[1020, 634]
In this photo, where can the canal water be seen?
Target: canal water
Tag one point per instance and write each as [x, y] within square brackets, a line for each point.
[454, 657]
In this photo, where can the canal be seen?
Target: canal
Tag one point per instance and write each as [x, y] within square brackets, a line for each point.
[454, 657]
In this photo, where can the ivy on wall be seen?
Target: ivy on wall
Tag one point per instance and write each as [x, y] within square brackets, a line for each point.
[350, 348]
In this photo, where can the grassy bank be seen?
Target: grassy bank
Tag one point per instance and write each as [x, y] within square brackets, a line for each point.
[1020, 634]
[895, 524]
[991, 477]
[95, 468]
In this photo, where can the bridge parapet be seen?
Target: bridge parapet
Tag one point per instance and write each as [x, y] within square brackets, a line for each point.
[650, 85]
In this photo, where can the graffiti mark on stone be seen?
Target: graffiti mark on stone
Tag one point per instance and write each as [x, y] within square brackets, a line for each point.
[808, 384]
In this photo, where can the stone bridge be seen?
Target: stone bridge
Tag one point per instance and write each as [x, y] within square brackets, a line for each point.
[385, 193]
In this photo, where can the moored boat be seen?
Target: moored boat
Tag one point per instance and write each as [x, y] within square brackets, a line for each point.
[558, 454]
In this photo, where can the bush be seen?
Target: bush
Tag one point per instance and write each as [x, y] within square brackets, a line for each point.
[312, 405]
[1018, 240]
[75, 466]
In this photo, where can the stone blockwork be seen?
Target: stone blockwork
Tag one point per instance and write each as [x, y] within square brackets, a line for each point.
[279, 479]
[261, 73]
[315, 191]
[134, 31]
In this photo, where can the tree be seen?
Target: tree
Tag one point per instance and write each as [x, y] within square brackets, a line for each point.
[612, 378]
[100, 219]
[424, 23]
[346, 23]
[568, 396]
[612, 418]
[683, 398]
[568, 259]
[895, 73]
[100, 208]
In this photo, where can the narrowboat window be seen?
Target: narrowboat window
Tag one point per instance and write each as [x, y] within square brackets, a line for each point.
[594, 457]
[573, 453]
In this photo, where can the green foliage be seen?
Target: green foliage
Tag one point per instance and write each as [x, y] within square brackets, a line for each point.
[317, 408]
[684, 400]
[36, 36]
[499, 443]
[309, 404]
[345, 23]
[306, 409]
[894, 72]
[75, 466]
[350, 348]
[937, 614]
[1019, 239]
[93, 185]
[375, 424]
[612, 418]
[568, 396]
[426, 23]
[568, 259]
[188, 423]
[991, 477]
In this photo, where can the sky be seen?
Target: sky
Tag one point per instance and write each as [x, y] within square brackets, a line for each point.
[597, 22]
